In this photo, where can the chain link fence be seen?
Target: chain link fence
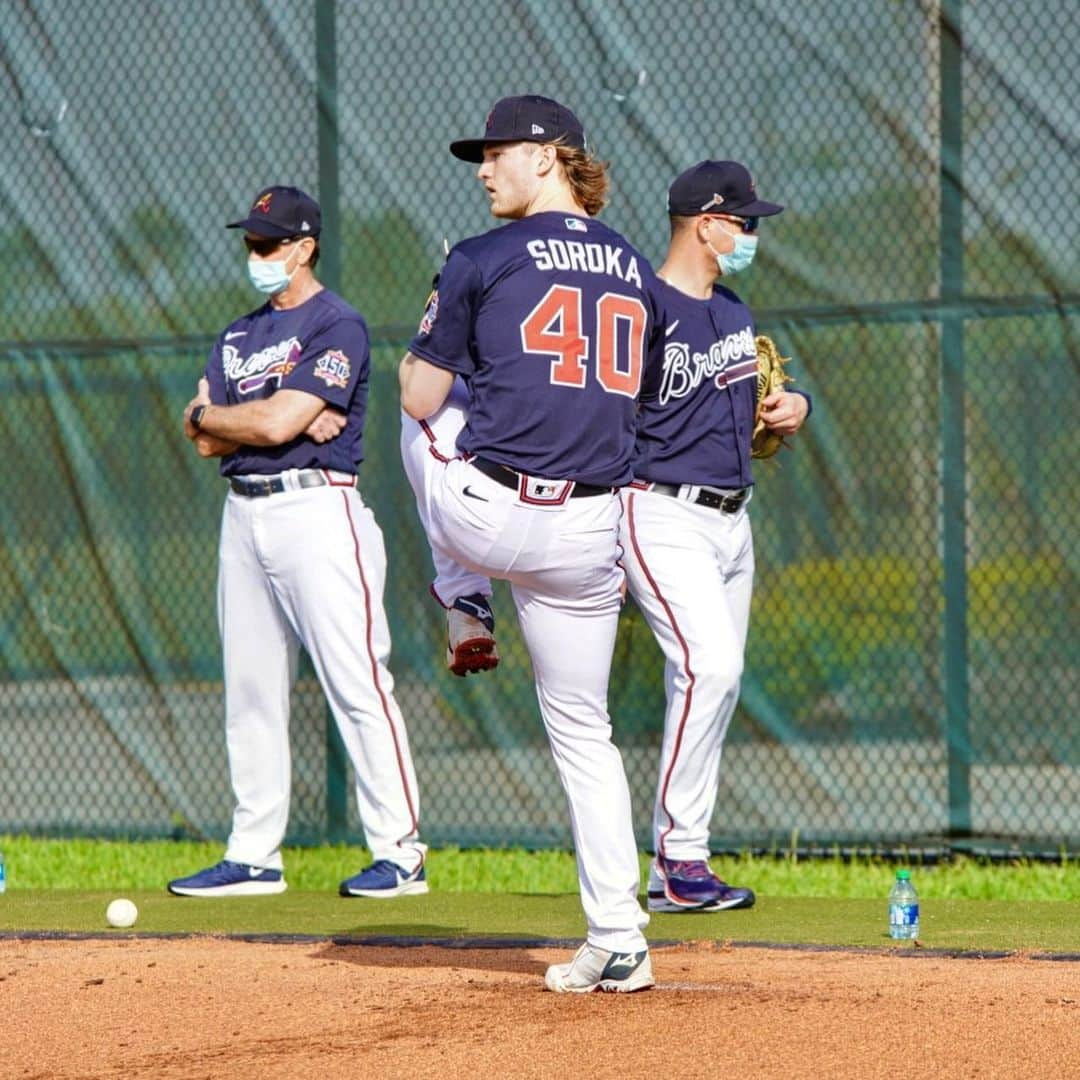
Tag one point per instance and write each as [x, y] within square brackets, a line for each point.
[912, 666]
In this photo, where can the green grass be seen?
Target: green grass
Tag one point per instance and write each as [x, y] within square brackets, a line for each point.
[982, 925]
[34, 864]
[966, 905]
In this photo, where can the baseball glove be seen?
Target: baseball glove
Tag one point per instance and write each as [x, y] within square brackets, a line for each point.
[770, 378]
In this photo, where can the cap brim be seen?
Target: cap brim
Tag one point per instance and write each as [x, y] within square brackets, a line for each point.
[758, 208]
[473, 149]
[262, 227]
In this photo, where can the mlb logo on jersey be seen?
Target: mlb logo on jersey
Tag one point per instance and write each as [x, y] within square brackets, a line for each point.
[333, 368]
[576, 225]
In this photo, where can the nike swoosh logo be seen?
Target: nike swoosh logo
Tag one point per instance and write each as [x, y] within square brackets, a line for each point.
[466, 490]
[236, 333]
[254, 871]
[671, 329]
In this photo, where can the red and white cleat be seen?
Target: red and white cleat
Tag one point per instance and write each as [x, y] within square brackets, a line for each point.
[471, 645]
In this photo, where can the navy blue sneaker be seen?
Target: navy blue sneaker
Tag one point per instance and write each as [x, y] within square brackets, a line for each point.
[689, 885]
[230, 879]
[384, 880]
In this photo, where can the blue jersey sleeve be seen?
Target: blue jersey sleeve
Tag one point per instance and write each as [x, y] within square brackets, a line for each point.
[659, 321]
[215, 376]
[333, 360]
[445, 337]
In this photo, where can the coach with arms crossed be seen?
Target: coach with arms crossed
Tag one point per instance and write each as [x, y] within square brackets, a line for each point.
[302, 561]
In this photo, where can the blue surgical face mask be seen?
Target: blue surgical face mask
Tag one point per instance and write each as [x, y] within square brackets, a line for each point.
[740, 258]
[270, 276]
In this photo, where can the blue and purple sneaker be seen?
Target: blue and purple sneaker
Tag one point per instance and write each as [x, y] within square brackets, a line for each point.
[688, 885]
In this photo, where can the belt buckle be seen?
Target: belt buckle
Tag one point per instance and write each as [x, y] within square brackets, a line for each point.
[733, 503]
[724, 501]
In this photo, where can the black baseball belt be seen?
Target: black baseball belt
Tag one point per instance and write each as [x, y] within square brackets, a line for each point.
[506, 476]
[256, 487]
[727, 502]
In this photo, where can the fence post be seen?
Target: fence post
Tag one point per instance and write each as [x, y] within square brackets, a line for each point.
[337, 825]
[953, 455]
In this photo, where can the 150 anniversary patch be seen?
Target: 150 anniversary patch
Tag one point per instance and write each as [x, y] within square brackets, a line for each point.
[333, 368]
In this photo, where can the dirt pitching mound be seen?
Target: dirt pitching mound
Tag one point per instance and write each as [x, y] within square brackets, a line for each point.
[208, 1007]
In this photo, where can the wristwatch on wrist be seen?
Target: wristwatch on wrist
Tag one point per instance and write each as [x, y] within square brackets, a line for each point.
[196, 416]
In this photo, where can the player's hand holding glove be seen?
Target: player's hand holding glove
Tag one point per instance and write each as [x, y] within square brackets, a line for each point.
[770, 380]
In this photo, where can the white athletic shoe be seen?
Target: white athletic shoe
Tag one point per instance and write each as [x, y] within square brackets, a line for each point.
[597, 969]
[471, 645]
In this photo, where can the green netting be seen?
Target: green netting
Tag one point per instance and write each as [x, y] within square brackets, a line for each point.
[912, 667]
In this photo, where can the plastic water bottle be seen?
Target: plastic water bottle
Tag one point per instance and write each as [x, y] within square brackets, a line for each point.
[3, 875]
[903, 908]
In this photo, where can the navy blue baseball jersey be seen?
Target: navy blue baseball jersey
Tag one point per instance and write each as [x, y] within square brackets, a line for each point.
[551, 319]
[696, 415]
[320, 347]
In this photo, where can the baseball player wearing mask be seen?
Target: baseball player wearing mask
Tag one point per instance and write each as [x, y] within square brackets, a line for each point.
[689, 553]
[302, 562]
[550, 320]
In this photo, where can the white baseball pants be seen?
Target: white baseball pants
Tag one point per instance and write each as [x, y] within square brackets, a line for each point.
[437, 436]
[307, 567]
[690, 569]
[561, 565]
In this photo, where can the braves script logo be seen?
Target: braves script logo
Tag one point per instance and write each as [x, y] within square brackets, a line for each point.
[684, 371]
[333, 368]
[252, 373]
[431, 312]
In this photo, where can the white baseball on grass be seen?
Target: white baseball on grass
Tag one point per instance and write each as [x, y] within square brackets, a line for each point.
[121, 914]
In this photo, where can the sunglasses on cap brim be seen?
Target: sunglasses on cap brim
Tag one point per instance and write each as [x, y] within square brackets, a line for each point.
[267, 245]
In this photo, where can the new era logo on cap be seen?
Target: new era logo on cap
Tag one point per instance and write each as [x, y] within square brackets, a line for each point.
[281, 212]
[529, 118]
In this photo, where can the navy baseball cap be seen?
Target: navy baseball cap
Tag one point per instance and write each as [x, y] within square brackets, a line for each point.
[717, 187]
[523, 119]
[281, 212]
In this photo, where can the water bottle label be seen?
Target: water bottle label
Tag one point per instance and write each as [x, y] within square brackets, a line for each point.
[904, 914]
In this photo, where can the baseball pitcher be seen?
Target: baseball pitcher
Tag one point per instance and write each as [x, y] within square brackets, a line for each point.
[550, 321]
